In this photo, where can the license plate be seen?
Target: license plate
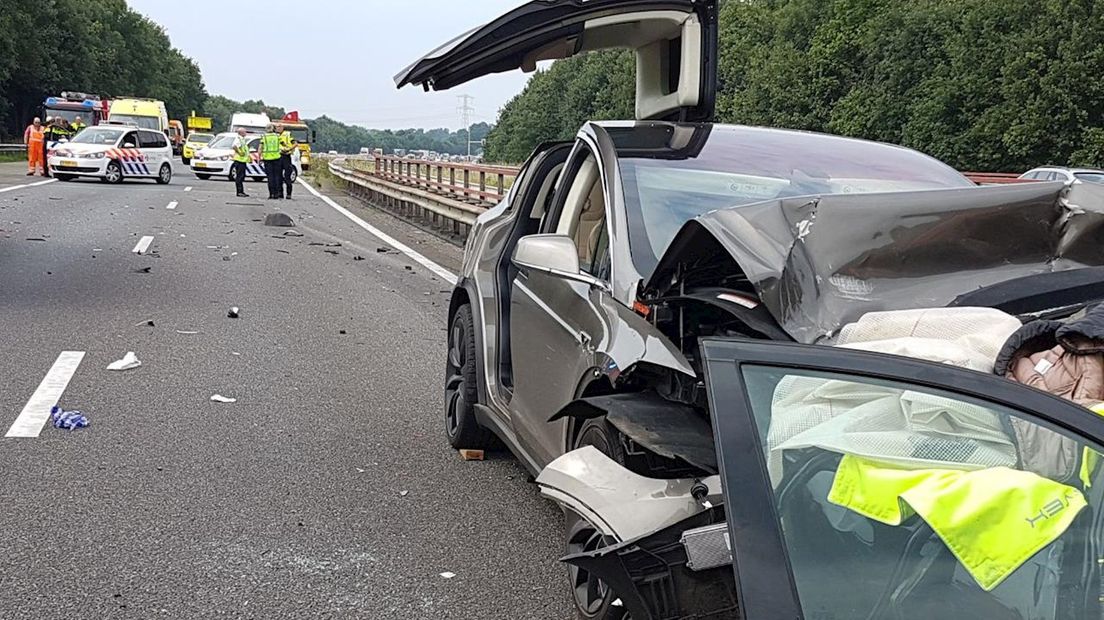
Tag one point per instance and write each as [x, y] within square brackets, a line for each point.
[68, 163]
[200, 165]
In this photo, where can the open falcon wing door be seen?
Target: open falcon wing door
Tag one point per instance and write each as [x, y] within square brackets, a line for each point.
[675, 43]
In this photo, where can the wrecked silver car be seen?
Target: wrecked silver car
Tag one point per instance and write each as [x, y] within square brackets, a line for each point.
[756, 366]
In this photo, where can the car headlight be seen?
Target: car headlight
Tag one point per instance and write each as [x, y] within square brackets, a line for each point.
[92, 156]
[224, 158]
[60, 153]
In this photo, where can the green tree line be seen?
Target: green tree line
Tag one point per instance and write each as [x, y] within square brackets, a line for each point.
[101, 47]
[333, 135]
[999, 85]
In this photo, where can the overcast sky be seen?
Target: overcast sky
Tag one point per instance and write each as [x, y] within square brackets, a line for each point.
[340, 58]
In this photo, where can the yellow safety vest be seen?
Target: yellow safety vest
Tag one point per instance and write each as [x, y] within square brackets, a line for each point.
[993, 520]
[287, 143]
[270, 147]
[241, 150]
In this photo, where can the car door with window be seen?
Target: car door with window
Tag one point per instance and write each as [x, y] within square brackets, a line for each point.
[862, 485]
[561, 317]
[155, 149]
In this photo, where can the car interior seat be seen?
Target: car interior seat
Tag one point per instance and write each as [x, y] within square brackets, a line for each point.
[589, 229]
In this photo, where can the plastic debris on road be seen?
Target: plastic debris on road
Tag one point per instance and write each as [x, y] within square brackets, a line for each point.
[233, 313]
[278, 219]
[67, 420]
[129, 361]
[218, 398]
[448, 575]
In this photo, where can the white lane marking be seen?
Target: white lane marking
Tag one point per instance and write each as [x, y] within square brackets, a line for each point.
[25, 185]
[188, 189]
[37, 410]
[441, 272]
[172, 205]
[143, 245]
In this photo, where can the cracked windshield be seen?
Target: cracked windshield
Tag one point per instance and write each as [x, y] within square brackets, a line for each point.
[549, 310]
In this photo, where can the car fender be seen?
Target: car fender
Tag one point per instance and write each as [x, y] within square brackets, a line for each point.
[632, 340]
[622, 504]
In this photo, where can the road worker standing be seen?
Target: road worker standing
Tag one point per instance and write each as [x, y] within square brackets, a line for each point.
[270, 155]
[288, 147]
[35, 139]
[241, 160]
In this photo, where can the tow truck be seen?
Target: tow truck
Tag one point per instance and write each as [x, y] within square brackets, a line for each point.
[302, 133]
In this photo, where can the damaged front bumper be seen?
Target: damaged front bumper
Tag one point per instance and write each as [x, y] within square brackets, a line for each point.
[672, 559]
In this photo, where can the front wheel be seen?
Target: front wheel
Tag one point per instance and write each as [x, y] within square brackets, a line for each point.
[461, 390]
[294, 175]
[202, 177]
[114, 173]
[164, 176]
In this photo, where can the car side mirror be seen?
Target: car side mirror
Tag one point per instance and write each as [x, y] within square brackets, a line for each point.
[555, 255]
[129, 145]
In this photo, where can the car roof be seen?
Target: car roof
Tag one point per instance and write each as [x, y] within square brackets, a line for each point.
[1065, 169]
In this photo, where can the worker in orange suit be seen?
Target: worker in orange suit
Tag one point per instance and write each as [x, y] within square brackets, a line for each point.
[35, 139]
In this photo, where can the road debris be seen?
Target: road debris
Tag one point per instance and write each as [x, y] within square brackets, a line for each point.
[334, 252]
[448, 575]
[278, 219]
[283, 252]
[68, 420]
[186, 333]
[35, 239]
[342, 332]
[143, 270]
[144, 324]
[293, 233]
[404, 493]
[233, 313]
[218, 398]
[471, 455]
[358, 257]
[129, 361]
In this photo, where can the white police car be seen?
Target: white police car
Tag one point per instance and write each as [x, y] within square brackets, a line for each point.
[113, 153]
[217, 158]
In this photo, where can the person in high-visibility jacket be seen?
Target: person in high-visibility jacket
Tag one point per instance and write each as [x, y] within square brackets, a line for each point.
[288, 145]
[270, 155]
[35, 139]
[241, 160]
[77, 125]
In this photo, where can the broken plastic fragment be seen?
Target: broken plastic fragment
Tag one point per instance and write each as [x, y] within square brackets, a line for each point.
[218, 398]
[130, 360]
[448, 575]
[233, 313]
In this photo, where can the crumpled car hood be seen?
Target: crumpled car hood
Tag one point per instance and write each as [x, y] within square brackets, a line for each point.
[821, 262]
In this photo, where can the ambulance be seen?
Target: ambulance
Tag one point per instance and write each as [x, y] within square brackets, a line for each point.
[254, 124]
[143, 113]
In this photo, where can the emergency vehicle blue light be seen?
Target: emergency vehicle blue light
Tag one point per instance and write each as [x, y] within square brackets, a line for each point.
[88, 103]
[51, 101]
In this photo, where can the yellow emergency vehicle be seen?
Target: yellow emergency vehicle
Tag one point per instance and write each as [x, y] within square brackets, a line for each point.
[144, 113]
[302, 133]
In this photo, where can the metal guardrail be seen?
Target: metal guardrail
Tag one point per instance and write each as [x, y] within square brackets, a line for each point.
[996, 178]
[12, 148]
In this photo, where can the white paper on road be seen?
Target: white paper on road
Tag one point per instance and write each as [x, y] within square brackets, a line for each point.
[37, 410]
[143, 244]
[130, 360]
[218, 398]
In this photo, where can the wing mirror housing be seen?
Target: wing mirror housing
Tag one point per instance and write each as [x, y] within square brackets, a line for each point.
[129, 145]
[555, 255]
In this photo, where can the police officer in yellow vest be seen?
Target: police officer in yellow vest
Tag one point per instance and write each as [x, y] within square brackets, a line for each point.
[288, 146]
[270, 155]
[241, 160]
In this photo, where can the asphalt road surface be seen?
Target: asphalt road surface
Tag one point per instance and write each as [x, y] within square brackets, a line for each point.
[326, 491]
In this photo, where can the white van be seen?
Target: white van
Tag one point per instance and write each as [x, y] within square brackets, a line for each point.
[253, 123]
[112, 153]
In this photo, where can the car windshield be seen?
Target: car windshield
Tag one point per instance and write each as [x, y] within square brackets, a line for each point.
[222, 142]
[98, 135]
[200, 138]
[248, 129]
[674, 173]
[69, 115]
[1090, 177]
[302, 136]
[145, 122]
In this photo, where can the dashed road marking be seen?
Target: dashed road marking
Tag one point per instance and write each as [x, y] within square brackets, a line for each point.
[172, 205]
[441, 272]
[143, 245]
[37, 410]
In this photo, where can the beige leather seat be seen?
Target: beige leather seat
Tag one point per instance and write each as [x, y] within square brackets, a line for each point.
[589, 229]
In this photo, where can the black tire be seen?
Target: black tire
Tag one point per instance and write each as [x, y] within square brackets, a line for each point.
[114, 173]
[164, 175]
[294, 175]
[64, 178]
[202, 177]
[592, 597]
[461, 388]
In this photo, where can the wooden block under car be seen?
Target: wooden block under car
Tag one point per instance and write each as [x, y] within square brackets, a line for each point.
[471, 455]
